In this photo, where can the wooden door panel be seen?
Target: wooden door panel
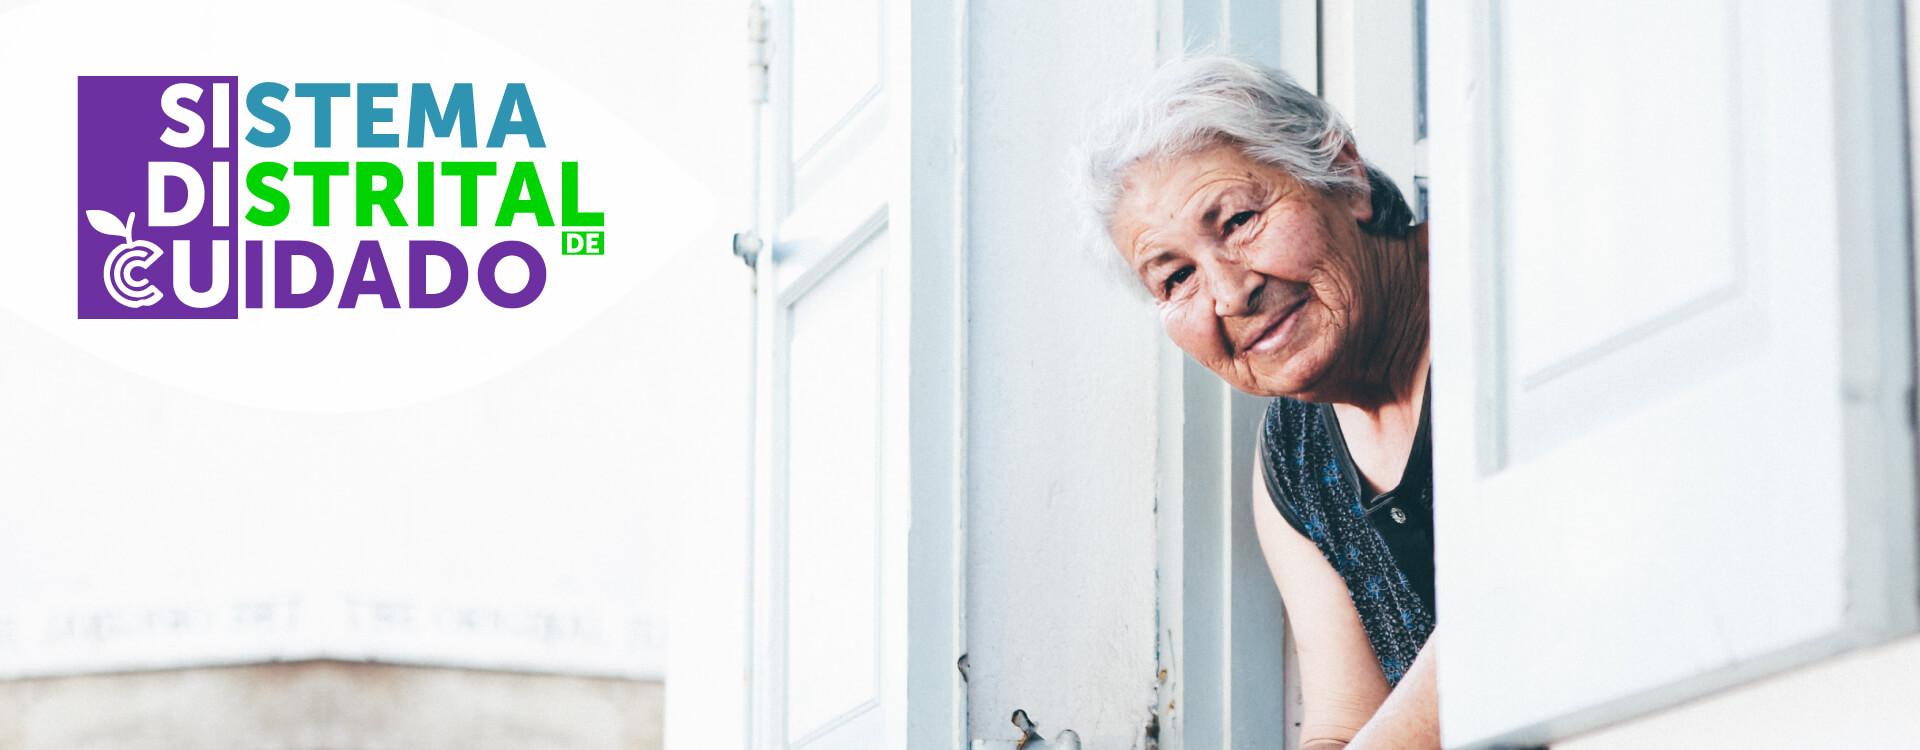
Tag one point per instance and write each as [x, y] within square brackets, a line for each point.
[1626, 248]
[835, 362]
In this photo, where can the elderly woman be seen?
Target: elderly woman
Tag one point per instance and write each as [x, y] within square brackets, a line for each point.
[1287, 265]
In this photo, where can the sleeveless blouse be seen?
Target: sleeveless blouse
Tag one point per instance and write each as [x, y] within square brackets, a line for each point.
[1382, 546]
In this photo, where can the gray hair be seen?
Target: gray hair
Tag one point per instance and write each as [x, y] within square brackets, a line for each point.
[1192, 104]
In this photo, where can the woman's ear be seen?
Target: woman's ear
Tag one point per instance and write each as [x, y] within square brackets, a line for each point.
[1359, 201]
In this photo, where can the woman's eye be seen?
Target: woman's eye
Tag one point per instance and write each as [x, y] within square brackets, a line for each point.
[1236, 221]
[1174, 279]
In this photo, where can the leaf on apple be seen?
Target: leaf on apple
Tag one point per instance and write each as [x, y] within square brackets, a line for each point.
[108, 224]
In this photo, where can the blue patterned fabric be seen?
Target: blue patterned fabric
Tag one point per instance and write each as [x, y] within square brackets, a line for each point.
[1312, 480]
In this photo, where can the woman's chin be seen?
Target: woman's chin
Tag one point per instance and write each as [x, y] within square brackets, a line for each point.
[1265, 386]
[1290, 373]
[1296, 378]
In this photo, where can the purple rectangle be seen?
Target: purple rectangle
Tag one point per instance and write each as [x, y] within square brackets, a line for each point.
[128, 271]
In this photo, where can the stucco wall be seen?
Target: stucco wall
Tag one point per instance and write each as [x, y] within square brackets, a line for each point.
[1061, 391]
[332, 705]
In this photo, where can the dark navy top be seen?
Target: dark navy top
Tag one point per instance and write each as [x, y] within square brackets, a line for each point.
[1381, 545]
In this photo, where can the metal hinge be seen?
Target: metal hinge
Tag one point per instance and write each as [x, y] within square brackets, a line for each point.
[759, 56]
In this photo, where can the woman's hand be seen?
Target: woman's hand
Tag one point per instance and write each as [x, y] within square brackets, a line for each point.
[1410, 717]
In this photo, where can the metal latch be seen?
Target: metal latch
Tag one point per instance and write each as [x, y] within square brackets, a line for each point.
[747, 247]
[1030, 738]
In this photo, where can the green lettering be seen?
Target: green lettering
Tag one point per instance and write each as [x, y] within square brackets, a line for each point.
[469, 173]
[524, 196]
[277, 205]
[322, 173]
[570, 213]
[386, 198]
[423, 191]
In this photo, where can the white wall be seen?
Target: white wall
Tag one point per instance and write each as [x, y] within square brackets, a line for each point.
[1862, 699]
[1062, 391]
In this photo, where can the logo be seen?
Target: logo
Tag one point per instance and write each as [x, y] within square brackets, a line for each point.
[176, 222]
[583, 243]
[131, 254]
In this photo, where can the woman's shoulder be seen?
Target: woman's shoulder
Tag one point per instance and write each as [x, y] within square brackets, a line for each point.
[1290, 431]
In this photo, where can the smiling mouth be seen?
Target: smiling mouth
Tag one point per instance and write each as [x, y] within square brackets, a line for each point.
[1277, 332]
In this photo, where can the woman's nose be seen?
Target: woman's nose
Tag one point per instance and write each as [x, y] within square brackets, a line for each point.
[1236, 292]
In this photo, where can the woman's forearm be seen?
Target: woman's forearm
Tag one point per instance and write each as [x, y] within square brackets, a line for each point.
[1410, 717]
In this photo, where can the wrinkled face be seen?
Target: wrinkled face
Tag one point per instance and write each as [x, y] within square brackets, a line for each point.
[1257, 276]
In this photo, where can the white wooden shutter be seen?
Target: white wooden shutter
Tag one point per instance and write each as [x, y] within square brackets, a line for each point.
[857, 539]
[1672, 351]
